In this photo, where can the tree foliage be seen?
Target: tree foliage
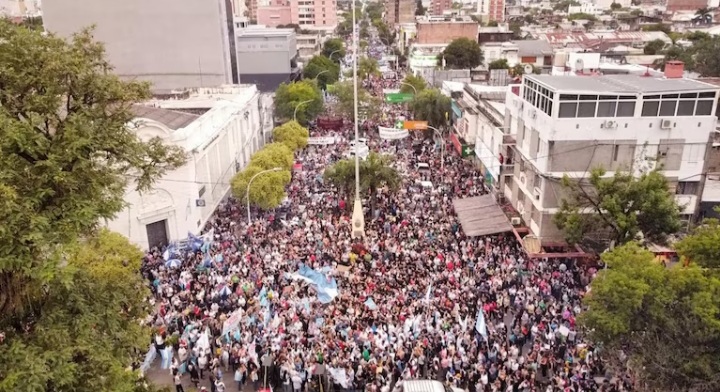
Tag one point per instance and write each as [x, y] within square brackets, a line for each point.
[417, 82]
[433, 106]
[707, 63]
[620, 206]
[654, 47]
[67, 156]
[292, 96]
[564, 5]
[291, 134]
[367, 66]
[86, 330]
[666, 320]
[386, 34]
[419, 8]
[499, 64]
[273, 155]
[334, 49]
[703, 245]
[462, 53]
[376, 172]
[267, 190]
[344, 27]
[367, 103]
[665, 28]
[322, 69]
[582, 16]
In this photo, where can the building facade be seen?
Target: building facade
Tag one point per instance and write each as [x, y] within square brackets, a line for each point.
[170, 43]
[438, 7]
[219, 142]
[568, 125]
[491, 10]
[399, 11]
[444, 32]
[272, 52]
[685, 5]
[308, 14]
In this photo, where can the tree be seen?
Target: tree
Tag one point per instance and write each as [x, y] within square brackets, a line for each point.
[419, 8]
[582, 16]
[499, 64]
[519, 69]
[34, 23]
[345, 104]
[432, 106]
[364, 32]
[621, 206]
[267, 190]
[367, 66]
[462, 53]
[703, 16]
[85, 331]
[658, 27]
[703, 245]
[706, 61]
[322, 69]
[341, 175]
[665, 320]
[564, 5]
[696, 36]
[654, 47]
[67, 156]
[273, 155]
[374, 11]
[376, 172]
[385, 34]
[305, 96]
[334, 49]
[417, 82]
[615, 6]
[677, 52]
[345, 27]
[291, 134]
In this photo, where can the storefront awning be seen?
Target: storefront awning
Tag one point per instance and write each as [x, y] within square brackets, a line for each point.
[481, 215]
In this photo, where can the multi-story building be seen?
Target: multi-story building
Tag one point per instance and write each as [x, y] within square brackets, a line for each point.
[273, 53]
[399, 11]
[491, 10]
[170, 43]
[308, 45]
[219, 128]
[444, 32]
[308, 14]
[438, 7]
[567, 125]
[685, 5]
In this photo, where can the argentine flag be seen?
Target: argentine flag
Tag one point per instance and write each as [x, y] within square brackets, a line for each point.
[480, 326]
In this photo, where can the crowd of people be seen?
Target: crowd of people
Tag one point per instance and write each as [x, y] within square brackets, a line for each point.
[416, 298]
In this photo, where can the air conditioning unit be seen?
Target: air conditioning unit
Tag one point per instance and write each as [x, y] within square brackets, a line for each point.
[667, 124]
[522, 178]
[536, 193]
[515, 221]
[609, 124]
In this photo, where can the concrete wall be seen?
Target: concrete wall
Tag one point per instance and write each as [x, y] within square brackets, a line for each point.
[445, 32]
[274, 15]
[265, 55]
[171, 43]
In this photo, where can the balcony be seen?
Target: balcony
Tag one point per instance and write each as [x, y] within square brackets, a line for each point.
[508, 140]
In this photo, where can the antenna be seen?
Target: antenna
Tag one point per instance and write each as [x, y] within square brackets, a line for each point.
[528, 68]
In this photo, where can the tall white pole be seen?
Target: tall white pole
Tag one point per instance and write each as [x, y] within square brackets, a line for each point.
[358, 218]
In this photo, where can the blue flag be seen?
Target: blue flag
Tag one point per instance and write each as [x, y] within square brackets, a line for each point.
[480, 326]
[371, 304]
[194, 242]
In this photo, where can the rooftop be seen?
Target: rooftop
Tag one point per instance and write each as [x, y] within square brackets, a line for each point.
[207, 97]
[170, 118]
[623, 84]
[256, 31]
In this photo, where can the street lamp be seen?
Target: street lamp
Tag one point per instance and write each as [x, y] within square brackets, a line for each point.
[320, 73]
[442, 147]
[358, 219]
[247, 190]
[298, 106]
[337, 51]
[411, 86]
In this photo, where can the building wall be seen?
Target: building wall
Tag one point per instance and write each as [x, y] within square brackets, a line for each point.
[276, 14]
[439, 6]
[171, 43]
[406, 11]
[445, 32]
[325, 13]
[265, 55]
[491, 10]
[232, 137]
[685, 5]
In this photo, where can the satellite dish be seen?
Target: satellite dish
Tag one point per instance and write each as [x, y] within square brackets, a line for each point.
[528, 68]
[579, 65]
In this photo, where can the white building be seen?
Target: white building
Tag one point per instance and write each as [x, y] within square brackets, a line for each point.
[568, 125]
[219, 128]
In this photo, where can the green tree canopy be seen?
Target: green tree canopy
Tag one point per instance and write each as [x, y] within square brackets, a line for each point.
[334, 49]
[367, 66]
[462, 53]
[621, 206]
[666, 320]
[341, 174]
[67, 156]
[376, 172]
[322, 69]
[703, 245]
[417, 82]
[86, 330]
[499, 64]
[582, 16]
[615, 6]
[707, 63]
[291, 134]
[654, 47]
[677, 52]
[374, 11]
[367, 103]
[267, 190]
[658, 27]
[386, 34]
[433, 106]
[564, 5]
[305, 96]
[273, 155]
[344, 27]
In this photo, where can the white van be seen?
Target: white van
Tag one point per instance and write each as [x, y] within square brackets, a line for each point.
[427, 386]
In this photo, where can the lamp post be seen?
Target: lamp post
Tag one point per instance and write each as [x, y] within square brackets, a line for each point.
[247, 190]
[331, 54]
[442, 147]
[298, 106]
[358, 219]
[411, 86]
[320, 73]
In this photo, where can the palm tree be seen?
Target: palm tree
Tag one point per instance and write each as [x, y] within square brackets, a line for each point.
[377, 172]
[703, 15]
[341, 175]
[432, 106]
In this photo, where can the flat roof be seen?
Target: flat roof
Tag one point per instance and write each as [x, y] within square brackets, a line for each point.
[170, 118]
[622, 84]
[264, 32]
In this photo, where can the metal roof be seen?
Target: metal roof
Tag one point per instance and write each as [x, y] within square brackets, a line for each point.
[170, 118]
[534, 47]
[627, 84]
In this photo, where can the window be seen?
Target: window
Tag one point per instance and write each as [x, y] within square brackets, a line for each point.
[586, 109]
[606, 106]
[704, 107]
[710, 94]
[568, 110]
[606, 109]
[650, 108]
[686, 107]
[686, 188]
[625, 109]
[538, 96]
[667, 108]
